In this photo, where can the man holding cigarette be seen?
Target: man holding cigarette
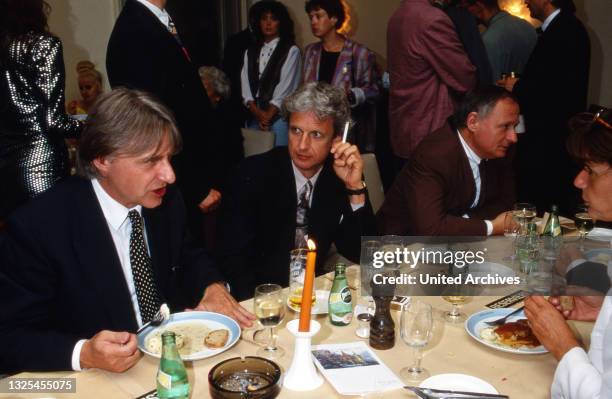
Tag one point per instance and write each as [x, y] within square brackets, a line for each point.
[314, 187]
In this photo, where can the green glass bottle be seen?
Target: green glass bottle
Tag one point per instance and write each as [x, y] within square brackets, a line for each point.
[552, 227]
[340, 299]
[172, 382]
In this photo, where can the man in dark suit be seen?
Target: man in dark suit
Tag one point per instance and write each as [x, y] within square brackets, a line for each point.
[86, 264]
[145, 52]
[317, 174]
[460, 181]
[551, 90]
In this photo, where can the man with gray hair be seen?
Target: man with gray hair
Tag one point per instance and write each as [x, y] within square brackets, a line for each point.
[312, 188]
[91, 261]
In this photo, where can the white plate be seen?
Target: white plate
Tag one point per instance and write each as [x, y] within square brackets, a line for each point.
[458, 382]
[211, 320]
[476, 322]
[319, 307]
[490, 269]
[600, 234]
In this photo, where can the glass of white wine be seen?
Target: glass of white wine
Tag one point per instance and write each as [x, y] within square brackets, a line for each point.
[523, 213]
[584, 223]
[416, 330]
[455, 315]
[270, 311]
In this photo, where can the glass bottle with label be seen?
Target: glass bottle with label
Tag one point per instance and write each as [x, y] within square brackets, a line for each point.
[552, 227]
[340, 299]
[172, 381]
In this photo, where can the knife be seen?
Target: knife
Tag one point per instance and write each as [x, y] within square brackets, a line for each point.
[430, 393]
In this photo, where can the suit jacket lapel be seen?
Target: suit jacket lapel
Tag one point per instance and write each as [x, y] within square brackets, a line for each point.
[344, 66]
[466, 170]
[96, 252]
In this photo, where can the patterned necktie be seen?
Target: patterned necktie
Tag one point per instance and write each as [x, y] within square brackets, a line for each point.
[301, 216]
[174, 33]
[142, 270]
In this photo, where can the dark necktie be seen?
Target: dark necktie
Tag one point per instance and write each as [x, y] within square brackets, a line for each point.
[174, 32]
[301, 216]
[142, 270]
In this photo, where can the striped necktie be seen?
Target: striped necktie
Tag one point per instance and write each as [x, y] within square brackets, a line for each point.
[301, 216]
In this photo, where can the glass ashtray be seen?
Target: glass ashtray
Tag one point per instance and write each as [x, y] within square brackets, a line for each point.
[248, 377]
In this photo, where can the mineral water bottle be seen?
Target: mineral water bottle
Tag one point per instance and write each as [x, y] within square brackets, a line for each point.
[340, 299]
[172, 382]
[552, 227]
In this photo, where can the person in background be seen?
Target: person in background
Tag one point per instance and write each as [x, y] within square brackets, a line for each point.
[509, 40]
[90, 87]
[343, 63]
[581, 374]
[33, 119]
[271, 69]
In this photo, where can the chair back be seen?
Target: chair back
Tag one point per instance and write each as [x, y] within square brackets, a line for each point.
[257, 141]
[376, 192]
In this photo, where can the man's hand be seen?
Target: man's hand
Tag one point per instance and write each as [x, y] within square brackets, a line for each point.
[217, 299]
[211, 202]
[498, 224]
[110, 350]
[586, 308]
[549, 326]
[507, 83]
[348, 166]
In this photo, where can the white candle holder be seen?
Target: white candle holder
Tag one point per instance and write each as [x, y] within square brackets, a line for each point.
[302, 374]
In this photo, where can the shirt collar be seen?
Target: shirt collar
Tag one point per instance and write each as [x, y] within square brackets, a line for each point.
[472, 156]
[114, 213]
[272, 43]
[300, 180]
[162, 15]
[550, 18]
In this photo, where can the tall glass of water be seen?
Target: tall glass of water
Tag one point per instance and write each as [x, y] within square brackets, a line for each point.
[416, 327]
[524, 213]
[270, 311]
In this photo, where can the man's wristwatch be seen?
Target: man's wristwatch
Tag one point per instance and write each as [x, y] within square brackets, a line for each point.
[360, 191]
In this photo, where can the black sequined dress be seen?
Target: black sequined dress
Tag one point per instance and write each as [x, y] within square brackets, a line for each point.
[33, 121]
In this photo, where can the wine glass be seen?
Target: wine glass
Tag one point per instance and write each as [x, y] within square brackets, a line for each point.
[416, 325]
[523, 213]
[584, 223]
[270, 311]
[454, 315]
[511, 230]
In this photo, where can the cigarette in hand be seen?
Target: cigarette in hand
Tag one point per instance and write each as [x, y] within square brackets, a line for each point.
[345, 134]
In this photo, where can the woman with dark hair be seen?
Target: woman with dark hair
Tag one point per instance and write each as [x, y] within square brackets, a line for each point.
[271, 69]
[343, 63]
[581, 374]
[33, 121]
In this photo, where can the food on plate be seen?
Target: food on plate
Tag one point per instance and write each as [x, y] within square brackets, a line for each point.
[191, 337]
[516, 334]
[216, 339]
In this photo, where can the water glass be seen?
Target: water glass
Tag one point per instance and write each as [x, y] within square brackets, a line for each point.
[416, 330]
[269, 305]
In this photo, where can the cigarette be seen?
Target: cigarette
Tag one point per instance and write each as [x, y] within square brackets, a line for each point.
[345, 134]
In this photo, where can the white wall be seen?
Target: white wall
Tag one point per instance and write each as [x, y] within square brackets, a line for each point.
[84, 27]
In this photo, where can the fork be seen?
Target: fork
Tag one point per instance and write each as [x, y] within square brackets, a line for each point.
[501, 321]
[162, 314]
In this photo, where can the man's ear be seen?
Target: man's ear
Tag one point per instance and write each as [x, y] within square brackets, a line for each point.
[102, 164]
[472, 121]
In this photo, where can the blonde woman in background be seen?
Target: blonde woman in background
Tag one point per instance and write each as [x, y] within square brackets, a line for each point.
[90, 87]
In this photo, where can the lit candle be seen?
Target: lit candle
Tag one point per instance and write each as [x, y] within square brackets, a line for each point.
[311, 259]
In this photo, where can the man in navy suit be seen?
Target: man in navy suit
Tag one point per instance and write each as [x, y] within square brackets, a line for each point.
[86, 264]
[145, 52]
[318, 173]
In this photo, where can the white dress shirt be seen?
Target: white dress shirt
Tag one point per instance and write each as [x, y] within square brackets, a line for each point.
[120, 227]
[291, 73]
[162, 15]
[474, 160]
[549, 19]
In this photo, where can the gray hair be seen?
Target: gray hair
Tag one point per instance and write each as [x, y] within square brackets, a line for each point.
[324, 100]
[219, 80]
[127, 122]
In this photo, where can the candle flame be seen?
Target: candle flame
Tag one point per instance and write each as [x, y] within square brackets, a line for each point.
[311, 245]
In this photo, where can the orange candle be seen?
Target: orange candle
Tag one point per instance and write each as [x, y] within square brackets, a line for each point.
[311, 259]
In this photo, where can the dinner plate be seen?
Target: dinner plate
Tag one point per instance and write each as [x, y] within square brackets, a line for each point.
[600, 255]
[476, 322]
[458, 382]
[319, 307]
[600, 234]
[211, 320]
[490, 269]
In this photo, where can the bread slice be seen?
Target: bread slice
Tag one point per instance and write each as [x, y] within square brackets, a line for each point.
[216, 339]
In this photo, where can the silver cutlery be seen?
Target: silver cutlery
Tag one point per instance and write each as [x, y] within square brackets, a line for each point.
[430, 393]
[502, 320]
[162, 315]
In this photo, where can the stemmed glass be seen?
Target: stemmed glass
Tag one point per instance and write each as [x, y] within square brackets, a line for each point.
[584, 223]
[270, 311]
[511, 230]
[416, 325]
[454, 315]
[524, 213]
